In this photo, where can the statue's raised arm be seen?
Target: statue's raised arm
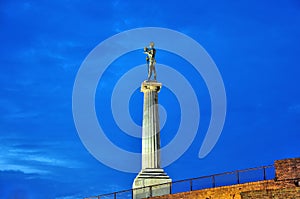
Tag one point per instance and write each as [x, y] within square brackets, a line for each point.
[150, 52]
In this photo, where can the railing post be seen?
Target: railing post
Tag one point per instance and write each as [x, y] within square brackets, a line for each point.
[170, 187]
[191, 185]
[264, 173]
[238, 177]
[98, 197]
[150, 190]
[213, 181]
[115, 195]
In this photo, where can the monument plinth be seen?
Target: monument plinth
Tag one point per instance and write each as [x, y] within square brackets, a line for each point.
[151, 173]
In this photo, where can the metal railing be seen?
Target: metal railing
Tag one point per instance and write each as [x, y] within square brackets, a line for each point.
[204, 182]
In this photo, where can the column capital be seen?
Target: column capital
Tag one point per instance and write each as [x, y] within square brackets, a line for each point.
[151, 86]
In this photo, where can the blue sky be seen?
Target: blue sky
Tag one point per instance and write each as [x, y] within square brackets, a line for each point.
[255, 45]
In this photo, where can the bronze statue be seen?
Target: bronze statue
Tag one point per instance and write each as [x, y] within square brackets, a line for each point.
[150, 60]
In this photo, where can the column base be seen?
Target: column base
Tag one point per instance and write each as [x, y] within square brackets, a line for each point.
[151, 177]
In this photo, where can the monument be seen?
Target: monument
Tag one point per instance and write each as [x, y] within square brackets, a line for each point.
[151, 174]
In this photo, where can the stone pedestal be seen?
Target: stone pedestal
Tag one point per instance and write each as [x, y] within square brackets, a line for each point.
[151, 173]
[151, 182]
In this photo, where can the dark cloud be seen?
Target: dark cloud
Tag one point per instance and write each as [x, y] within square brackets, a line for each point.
[16, 184]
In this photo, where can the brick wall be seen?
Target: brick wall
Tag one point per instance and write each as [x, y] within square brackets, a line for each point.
[229, 192]
[285, 193]
[287, 171]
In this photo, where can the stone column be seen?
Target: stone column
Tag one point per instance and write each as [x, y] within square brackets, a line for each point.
[151, 173]
[151, 131]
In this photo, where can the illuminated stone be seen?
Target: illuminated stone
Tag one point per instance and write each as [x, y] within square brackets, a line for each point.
[151, 173]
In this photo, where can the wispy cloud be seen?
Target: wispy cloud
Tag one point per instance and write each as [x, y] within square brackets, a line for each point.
[34, 158]
[25, 169]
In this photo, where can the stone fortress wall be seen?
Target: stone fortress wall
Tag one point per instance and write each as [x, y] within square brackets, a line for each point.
[286, 185]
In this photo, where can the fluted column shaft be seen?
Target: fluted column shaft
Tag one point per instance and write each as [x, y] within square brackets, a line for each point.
[151, 129]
